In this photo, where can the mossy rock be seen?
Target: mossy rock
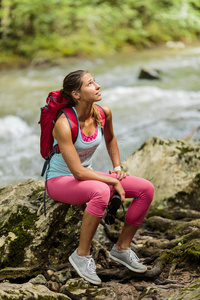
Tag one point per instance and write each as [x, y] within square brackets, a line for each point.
[192, 291]
[28, 237]
[173, 167]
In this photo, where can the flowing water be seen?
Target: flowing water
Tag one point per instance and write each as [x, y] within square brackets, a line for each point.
[169, 108]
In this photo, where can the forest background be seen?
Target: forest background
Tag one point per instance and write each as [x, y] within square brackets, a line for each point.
[62, 28]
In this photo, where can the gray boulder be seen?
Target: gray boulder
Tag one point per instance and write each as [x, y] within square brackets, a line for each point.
[173, 166]
[149, 73]
[28, 291]
[27, 236]
[78, 288]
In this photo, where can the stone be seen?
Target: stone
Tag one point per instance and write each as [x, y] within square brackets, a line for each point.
[49, 273]
[192, 291]
[53, 286]
[175, 45]
[28, 237]
[20, 273]
[62, 276]
[78, 288]
[149, 73]
[27, 291]
[173, 167]
[39, 279]
[123, 291]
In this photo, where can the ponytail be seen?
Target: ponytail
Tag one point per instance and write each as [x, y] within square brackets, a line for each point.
[95, 114]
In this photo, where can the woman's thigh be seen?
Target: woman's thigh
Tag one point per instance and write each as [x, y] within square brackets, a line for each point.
[69, 190]
[132, 185]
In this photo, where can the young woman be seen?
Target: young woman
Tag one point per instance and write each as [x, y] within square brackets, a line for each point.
[71, 179]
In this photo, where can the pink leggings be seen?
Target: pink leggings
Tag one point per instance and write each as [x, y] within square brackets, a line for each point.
[69, 190]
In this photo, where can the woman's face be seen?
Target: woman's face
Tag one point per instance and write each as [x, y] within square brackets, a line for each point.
[90, 90]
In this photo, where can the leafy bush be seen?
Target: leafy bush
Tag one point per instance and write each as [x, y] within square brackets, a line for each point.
[68, 27]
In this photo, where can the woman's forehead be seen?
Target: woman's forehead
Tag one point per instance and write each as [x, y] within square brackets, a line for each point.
[87, 77]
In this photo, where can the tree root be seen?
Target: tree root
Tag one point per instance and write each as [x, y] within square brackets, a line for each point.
[123, 274]
[171, 244]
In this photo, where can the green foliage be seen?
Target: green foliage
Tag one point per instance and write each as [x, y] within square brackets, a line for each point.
[68, 27]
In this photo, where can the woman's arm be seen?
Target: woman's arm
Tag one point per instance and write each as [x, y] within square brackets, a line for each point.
[62, 133]
[110, 139]
[111, 144]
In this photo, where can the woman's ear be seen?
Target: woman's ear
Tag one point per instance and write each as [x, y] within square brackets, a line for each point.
[76, 95]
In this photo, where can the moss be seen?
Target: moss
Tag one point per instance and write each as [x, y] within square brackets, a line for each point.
[157, 211]
[184, 150]
[193, 250]
[20, 223]
[14, 273]
[17, 249]
[183, 254]
[180, 229]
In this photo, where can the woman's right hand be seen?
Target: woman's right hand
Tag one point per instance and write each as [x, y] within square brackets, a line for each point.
[117, 188]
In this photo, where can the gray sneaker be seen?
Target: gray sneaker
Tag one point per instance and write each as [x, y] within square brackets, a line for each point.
[127, 258]
[85, 267]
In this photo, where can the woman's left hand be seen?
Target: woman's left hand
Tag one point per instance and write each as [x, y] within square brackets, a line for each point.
[120, 174]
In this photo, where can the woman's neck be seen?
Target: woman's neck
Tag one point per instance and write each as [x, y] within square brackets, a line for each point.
[84, 111]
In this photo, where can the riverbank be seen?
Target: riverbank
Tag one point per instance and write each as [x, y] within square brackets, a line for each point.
[10, 61]
[66, 28]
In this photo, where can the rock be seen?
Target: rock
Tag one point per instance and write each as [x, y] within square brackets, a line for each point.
[62, 276]
[49, 273]
[124, 291]
[27, 291]
[40, 279]
[175, 45]
[78, 288]
[31, 239]
[154, 292]
[39, 62]
[191, 291]
[173, 166]
[53, 286]
[20, 273]
[149, 73]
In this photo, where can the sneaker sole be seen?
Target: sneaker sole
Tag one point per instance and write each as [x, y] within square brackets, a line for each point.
[80, 274]
[126, 265]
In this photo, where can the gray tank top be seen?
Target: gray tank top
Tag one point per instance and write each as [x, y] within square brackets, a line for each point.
[85, 150]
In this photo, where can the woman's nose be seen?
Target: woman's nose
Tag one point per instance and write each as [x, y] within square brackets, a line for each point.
[98, 86]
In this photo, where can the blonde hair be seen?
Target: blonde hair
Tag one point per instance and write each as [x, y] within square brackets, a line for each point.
[73, 82]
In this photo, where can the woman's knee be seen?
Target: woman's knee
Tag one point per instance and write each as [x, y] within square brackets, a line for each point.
[99, 198]
[149, 190]
[101, 192]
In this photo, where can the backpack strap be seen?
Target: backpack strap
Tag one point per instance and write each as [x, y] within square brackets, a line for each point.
[73, 121]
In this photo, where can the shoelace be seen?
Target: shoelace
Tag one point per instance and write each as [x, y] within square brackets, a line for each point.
[133, 256]
[91, 265]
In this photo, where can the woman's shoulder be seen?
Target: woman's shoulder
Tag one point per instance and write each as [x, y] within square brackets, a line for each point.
[62, 126]
[106, 109]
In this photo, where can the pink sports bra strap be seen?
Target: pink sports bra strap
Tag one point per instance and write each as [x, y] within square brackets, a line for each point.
[102, 114]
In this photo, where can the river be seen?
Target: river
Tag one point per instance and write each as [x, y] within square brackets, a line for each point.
[169, 108]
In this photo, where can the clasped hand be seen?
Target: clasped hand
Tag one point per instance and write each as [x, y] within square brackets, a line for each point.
[120, 174]
[118, 187]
